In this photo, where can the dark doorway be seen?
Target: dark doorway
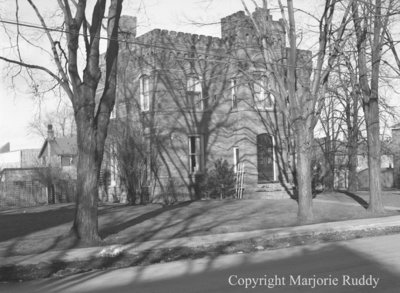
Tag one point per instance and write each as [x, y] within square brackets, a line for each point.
[265, 160]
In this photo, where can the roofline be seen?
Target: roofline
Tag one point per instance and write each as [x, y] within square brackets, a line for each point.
[42, 149]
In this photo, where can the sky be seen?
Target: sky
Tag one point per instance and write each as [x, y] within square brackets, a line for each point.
[17, 104]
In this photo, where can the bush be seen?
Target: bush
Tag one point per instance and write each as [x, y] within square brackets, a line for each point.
[220, 181]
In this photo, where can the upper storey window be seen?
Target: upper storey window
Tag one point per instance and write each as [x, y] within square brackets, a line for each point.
[262, 95]
[144, 89]
[196, 153]
[194, 92]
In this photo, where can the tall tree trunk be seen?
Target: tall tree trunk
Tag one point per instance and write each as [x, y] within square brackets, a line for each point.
[303, 171]
[371, 92]
[329, 154]
[374, 156]
[352, 148]
[352, 165]
[85, 224]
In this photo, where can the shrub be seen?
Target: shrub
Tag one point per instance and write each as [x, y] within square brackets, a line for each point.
[219, 182]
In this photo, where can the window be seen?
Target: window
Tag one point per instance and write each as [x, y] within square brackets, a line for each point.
[195, 153]
[234, 92]
[236, 158]
[144, 93]
[67, 161]
[194, 93]
[19, 184]
[262, 96]
[265, 158]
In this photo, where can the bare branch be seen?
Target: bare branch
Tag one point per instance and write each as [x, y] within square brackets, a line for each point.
[64, 77]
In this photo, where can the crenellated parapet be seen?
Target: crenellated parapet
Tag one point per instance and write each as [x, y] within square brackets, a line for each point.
[240, 27]
[179, 40]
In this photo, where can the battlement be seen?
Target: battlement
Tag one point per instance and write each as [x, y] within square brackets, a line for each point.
[181, 40]
[237, 31]
[241, 27]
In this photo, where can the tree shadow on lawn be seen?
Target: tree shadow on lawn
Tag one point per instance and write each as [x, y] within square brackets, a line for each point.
[115, 229]
[20, 223]
[158, 251]
[42, 230]
[167, 223]
[355, 197]
[176, 223]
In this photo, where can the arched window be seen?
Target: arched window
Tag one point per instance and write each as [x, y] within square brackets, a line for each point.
[265, 158]
[144, 89]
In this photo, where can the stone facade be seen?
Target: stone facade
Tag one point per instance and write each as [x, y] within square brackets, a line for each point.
[196, 99]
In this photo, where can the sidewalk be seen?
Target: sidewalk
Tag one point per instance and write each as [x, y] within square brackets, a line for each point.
[87, 254]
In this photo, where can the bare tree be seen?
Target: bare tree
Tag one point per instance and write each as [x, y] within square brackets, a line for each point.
[128, 149]
[299, 99]
[341, 120]
[81, 86]
[62, 119]
[370, 20]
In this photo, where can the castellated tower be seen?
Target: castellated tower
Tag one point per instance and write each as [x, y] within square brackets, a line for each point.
[194, 99]
[239, 28]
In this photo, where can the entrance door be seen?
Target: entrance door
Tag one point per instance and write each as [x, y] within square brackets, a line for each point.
[265, 161]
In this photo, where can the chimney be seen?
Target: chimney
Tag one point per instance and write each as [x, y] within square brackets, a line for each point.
[50, 132]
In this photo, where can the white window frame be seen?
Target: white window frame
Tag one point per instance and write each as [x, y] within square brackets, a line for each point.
[144, 90]
[275, 165]
[262, 95]
[195, 153]
[194, 91]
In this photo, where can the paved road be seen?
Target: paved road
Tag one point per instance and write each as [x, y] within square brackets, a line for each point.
[361, 265]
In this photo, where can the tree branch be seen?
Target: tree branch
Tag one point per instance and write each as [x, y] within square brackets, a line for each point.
[64, 78]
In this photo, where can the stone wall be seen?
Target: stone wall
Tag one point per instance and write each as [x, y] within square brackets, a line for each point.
[169, 58]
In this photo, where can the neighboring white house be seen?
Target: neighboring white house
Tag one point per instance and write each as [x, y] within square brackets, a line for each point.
[26, 158]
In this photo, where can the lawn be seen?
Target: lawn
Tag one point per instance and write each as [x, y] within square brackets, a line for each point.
[389, 198]
[40, 229]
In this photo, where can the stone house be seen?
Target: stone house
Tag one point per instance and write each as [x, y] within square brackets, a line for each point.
[195, 99]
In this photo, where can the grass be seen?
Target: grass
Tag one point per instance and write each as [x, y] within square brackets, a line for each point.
[41, 229]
